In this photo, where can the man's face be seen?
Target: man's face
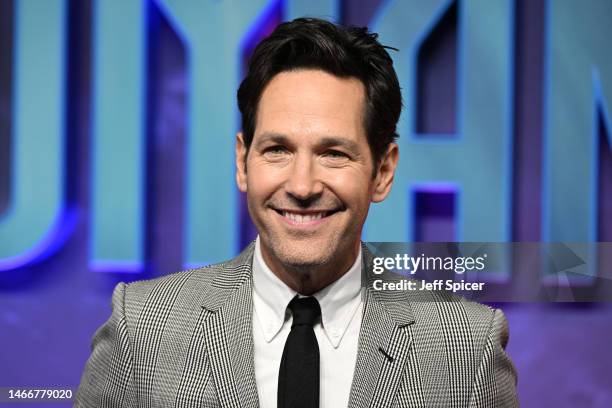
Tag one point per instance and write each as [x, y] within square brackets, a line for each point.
[309, 170]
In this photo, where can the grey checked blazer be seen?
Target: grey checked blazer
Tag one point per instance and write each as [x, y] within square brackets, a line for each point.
[185, 340]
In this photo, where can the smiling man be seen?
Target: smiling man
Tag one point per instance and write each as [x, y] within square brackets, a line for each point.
[310, 176]
[292, 321]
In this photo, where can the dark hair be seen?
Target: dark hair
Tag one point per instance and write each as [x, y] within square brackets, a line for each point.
[309, 43]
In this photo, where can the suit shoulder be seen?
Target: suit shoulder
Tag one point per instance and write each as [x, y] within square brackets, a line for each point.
[201, 275]
[162, 292]
[456, 314]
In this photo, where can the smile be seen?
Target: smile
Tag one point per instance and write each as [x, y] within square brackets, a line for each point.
[304, 219]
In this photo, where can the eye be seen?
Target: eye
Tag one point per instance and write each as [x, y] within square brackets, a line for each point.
[275, 153]
[336, 154]
[275, 150]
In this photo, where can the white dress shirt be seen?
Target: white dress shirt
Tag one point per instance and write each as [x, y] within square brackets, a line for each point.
[337, 333]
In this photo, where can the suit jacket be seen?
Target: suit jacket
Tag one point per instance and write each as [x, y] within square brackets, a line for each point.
[185, 340]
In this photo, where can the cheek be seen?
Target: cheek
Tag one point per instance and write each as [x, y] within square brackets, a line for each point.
[261, 181]
[354, 189]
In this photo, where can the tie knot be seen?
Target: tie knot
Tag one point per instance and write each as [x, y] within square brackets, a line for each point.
[305, 311]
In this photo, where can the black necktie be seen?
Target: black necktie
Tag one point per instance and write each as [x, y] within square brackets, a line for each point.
[298, 378]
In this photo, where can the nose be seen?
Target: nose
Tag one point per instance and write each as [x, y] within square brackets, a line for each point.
[303, 182]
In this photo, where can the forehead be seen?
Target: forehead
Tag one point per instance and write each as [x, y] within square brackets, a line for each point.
[314, 102]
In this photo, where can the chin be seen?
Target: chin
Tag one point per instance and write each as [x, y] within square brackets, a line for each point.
[300, 256]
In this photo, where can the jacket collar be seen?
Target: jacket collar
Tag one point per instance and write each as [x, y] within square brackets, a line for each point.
[396, 303]
[230, 276]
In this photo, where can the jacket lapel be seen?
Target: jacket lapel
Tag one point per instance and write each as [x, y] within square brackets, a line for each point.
[384, 342]
[228, 332]
[384, 339]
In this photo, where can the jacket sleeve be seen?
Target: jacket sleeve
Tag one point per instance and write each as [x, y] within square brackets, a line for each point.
[108, 379]
[495, 384]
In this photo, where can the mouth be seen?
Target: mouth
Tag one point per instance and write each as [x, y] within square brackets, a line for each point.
[305, 218]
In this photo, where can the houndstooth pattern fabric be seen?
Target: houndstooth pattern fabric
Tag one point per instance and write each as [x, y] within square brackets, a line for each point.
[185, 340]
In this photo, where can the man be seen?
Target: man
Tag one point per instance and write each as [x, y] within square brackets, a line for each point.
[289, 322]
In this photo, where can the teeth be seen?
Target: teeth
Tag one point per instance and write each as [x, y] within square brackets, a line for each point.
[299, 218]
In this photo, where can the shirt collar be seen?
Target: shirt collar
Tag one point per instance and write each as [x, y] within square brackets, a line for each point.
[339, 301]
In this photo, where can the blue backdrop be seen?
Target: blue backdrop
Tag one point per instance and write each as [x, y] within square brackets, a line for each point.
[117, 124]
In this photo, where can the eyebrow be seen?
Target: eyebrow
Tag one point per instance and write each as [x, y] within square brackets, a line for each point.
[326, 141]
[271, 137]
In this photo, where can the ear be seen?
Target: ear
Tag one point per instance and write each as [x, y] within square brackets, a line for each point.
[241, 178]
[385, 173]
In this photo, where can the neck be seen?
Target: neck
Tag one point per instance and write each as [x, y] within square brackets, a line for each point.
[310, 279]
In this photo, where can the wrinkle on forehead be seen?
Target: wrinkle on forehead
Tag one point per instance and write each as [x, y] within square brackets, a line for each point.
[312, 102]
